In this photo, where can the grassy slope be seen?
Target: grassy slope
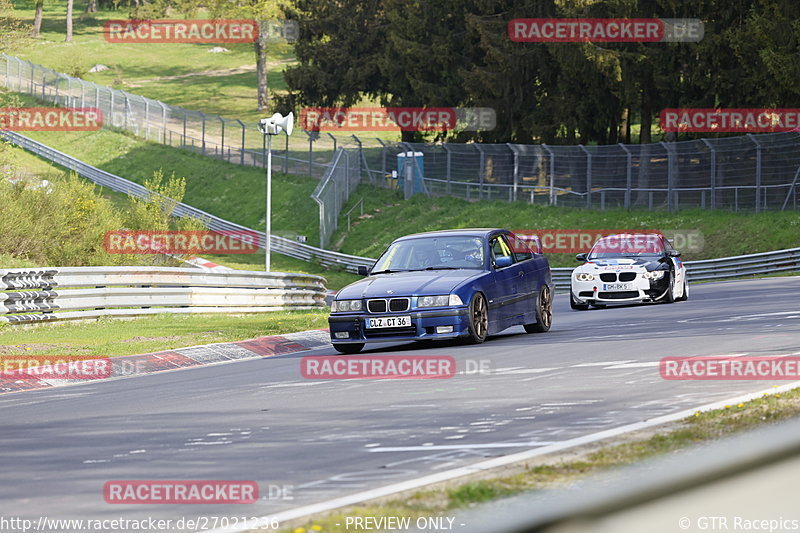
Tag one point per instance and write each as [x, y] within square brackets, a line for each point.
[725, 233]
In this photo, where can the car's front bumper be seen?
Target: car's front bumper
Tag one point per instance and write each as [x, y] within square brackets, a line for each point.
[641, 290]
[423, 326]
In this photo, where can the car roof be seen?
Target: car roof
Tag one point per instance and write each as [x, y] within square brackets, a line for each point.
[465, 232]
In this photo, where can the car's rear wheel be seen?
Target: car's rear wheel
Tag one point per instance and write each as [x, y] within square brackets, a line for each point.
[544, 312]
[349, 348]
[575, 305]
[478, 319]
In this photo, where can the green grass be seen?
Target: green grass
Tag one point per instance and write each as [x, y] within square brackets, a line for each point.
[556, 471]
[114, 337]
[233, 192]
[9, 261]
[140, 68]
[725, 233]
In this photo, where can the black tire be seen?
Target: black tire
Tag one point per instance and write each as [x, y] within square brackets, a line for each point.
[575, 305]
[349, 348]
[669, 297]
[685, 295]
[478, 319]
[544, 312]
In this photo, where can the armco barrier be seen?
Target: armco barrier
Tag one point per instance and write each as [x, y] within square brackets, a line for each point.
[30, 295]
[710, 269]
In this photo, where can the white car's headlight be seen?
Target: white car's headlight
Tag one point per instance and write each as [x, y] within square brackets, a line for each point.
[584, 276]
[346, 305]
[655, 274]
[434, 301]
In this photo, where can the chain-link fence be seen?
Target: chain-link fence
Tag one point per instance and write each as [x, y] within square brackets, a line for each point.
[750, 172]
[334, 189]
[232, 140]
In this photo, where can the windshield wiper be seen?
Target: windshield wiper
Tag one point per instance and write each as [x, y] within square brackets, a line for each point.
[441, 268]
[387, 271]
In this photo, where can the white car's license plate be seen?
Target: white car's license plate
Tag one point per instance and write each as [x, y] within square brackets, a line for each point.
[617, 286]
[389, 322]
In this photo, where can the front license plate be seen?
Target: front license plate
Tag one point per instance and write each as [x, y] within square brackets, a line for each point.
[617, 286]
[389, 322]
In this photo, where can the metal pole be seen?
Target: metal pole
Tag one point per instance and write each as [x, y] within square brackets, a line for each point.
[516, 171]
[713, 173]
[588, 175]
[669, 175]
[758, 171]
[286, 157]
[267, 233]
[629, 176]
[242, 125]
[552, 174]
[383, 161]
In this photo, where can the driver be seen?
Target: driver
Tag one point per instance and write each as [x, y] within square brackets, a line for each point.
[474, 253]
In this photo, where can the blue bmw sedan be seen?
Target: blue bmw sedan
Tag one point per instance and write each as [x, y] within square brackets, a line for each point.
[467, 283]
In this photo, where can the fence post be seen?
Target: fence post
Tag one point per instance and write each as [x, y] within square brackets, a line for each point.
[713, 182]
[58, 80]
[111, 113]
[588, 175]
[628, 176]
[360, 156]
[448, 168]
[146, 119]
[552, 174]
[383, 161]
[516, 171]
[334, 142]
[310, 154]
[242, 151]
[183, 140]
[203, 133]
[164, 122]
[44, 82]
[669, 175]
[96, 95]
[758, 171]
[83, 94]
[481, 170]
[222, 122]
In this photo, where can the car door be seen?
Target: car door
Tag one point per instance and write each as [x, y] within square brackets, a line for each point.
[506, 300]
[533, 275]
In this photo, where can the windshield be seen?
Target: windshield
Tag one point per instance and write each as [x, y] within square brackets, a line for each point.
[627, 246]
[432, 253]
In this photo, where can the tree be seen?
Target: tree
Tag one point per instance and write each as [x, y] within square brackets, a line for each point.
[69, 20]
[12, 31]
[37, 19]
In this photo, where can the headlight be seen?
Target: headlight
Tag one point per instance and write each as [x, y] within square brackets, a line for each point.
[584, 276]
[655, 274]
[434, 301]
[339, 306]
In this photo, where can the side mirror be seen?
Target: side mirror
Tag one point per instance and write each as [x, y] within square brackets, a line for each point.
[581, 257]
[363, 271]
[674, 253]
[503, 261]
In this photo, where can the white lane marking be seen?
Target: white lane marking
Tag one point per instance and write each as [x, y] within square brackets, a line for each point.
[632, 365]
[447, 475]
[461, 446]
[523, 371]
[604, 363]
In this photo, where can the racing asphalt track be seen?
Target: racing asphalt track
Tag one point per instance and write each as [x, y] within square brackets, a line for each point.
[260, 420]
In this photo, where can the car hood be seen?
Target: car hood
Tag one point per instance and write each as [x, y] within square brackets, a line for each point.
[622, 263]
[429, 282]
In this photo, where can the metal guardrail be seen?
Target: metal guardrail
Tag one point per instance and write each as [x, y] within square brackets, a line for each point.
[710, 269]
[36, 295]
[281, 245]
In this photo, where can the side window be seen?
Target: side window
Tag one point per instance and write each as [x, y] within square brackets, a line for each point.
[520, 248]
[500, 248]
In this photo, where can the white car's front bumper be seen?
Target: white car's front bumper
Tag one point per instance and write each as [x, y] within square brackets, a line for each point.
[639, 289]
